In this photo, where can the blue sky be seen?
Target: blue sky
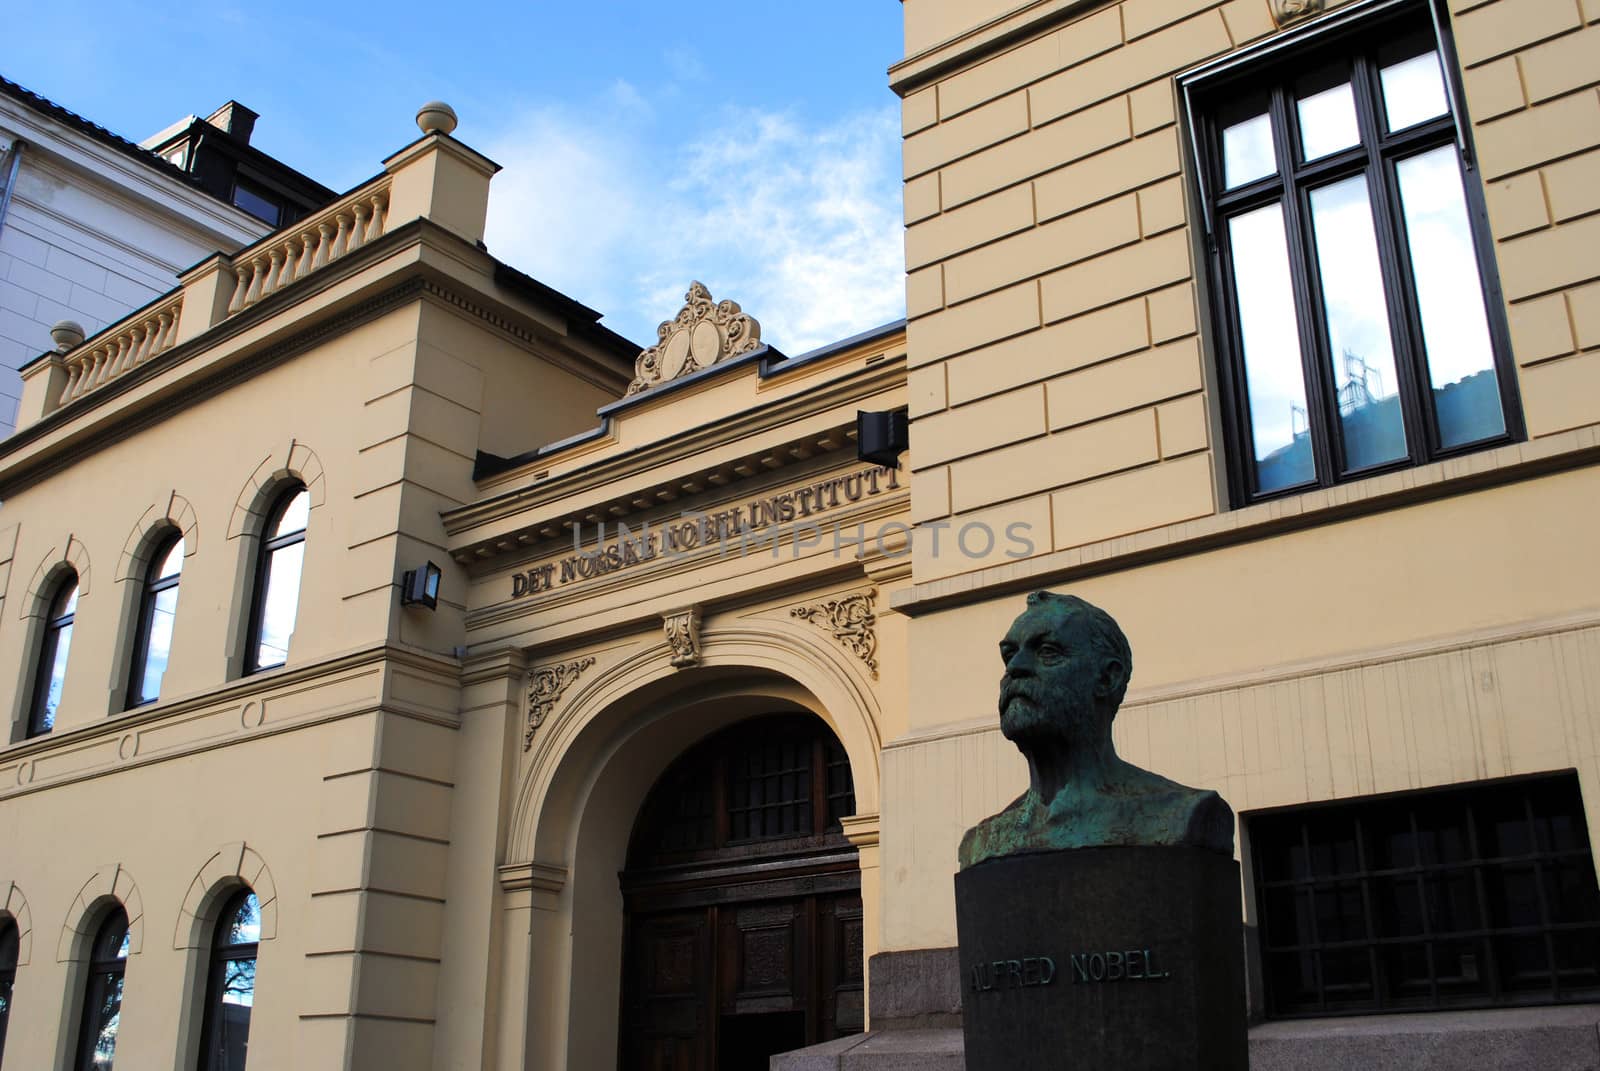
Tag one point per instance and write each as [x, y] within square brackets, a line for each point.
[751, 145]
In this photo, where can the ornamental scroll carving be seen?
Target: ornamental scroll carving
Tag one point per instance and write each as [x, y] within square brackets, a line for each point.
[683, 636]
[545, 688]
[704, 333]
[1286, 11]
[850, 620]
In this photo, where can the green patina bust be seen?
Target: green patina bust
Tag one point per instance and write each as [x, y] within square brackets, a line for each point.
[1067, 669]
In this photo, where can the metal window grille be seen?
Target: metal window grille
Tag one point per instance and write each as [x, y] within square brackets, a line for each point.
[1475, 896]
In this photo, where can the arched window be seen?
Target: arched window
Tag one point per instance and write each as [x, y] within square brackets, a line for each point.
[157, 610]
[277, 597]
[231, 984]
[8, 975]
[102, 994]
[57, 641]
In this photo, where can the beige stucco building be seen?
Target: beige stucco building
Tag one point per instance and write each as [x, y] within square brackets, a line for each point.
[1251, 322]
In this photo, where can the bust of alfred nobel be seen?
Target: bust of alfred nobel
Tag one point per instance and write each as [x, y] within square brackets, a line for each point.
[1067, 668]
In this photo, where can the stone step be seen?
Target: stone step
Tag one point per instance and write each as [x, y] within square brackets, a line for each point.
[1563, 1038]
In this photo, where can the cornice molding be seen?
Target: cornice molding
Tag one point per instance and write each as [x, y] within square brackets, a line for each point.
[980, 42]
[852, 386]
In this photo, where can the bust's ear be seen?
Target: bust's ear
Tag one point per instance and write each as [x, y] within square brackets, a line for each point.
[1113, 677]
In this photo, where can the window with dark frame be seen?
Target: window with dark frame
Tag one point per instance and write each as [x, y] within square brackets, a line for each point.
[8, 977]
[1475, 896]
[773, 785]
[54, 647]
[1358, 316]
[277, 589]
[102, 994]
[231, 984]
[158, 609]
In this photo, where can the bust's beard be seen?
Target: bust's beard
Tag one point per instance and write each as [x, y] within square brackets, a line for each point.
[1029, 718]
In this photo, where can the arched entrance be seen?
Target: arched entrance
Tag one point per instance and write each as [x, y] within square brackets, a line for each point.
[743, 932]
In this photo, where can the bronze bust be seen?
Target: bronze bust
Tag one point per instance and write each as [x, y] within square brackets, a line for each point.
[1067, 669]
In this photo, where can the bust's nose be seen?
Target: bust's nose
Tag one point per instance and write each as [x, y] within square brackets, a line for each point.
[1020, 664]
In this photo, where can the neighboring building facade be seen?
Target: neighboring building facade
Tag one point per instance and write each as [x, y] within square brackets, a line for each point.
[1275, 341]
[93, 226]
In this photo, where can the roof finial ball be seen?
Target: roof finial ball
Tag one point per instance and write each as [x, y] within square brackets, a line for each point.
[67, 335]
[436, 117]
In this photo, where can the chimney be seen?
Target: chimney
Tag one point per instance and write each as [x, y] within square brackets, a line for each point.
[235, 118]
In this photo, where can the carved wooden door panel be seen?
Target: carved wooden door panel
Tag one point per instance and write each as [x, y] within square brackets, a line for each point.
[840, 966]
[667, 996]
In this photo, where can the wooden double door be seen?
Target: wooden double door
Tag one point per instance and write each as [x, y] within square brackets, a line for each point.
[744, 927]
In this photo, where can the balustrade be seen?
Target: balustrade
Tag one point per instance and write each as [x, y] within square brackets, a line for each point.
[313, 243]
[122, 347]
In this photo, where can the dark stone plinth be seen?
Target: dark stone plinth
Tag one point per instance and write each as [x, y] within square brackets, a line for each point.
[1125, 958]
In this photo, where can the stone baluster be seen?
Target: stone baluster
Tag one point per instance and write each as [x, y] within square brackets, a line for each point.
[137, 340]
[74, 377]
[358, 230]
[325, 232]
[274, 270]
[341, 241]
[169, 328]
[242, 274]
[379, 207]
[258, 279]
[308, 251]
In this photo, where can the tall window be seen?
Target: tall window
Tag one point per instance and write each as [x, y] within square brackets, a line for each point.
[1471, 896]
[157, 610]
[277, 597]
[102, 994]
[231, 984]
[1358, 320]
[8, 976]
[53, 650]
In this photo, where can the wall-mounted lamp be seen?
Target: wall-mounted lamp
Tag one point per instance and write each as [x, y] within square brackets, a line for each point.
[420, 587]
[881, 437]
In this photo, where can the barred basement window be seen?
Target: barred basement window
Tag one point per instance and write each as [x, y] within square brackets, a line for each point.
[1465, 897]
[1357, 314]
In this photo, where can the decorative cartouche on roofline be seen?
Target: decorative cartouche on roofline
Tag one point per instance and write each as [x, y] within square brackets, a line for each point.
[704, 333]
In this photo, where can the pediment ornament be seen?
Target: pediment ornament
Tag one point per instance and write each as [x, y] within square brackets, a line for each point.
[705, 332]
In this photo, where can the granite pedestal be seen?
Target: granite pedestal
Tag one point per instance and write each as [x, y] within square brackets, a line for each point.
[1126, 958]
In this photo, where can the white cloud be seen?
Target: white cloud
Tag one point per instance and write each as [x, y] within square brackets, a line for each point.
[801, 224]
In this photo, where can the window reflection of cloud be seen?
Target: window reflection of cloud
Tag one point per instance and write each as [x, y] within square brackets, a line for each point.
[1328, 122]
[1247, 151]
[283, 596]
[1352, 280]
[1454, 324]
[1268, 324]
[1413, 91]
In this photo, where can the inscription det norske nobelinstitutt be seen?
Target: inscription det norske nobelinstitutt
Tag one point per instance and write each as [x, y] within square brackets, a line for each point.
[1098, 915]
[758, 523]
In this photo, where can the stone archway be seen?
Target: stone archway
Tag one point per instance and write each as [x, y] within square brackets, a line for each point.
[595, 763]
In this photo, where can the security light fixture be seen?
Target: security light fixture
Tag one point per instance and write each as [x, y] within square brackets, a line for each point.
[881, 437]
[420, 587]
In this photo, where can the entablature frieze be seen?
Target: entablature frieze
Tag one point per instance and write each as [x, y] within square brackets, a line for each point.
[346, 686]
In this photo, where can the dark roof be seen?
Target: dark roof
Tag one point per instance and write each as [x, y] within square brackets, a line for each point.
[50, 108]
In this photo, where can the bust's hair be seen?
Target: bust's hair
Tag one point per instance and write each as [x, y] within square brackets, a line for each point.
[1104, 634]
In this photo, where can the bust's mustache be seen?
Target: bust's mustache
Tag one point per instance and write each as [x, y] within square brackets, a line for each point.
[1018, 689]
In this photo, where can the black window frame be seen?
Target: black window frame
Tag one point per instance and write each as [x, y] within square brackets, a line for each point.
[224, 952]
[10, 939]
[1322, 872]
[1353, 37]
[58, 618]
[267, 546]
[102, 971]
[153, 586]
